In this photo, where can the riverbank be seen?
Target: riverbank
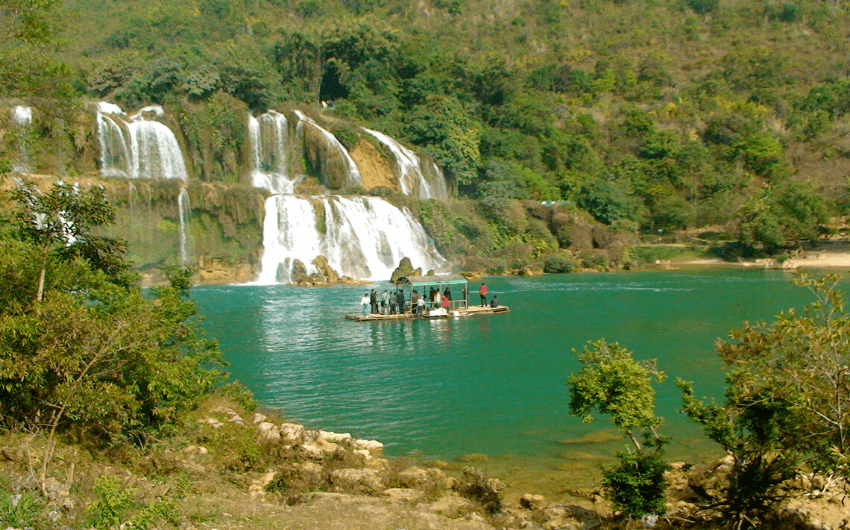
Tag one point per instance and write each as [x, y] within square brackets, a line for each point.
[227, 467]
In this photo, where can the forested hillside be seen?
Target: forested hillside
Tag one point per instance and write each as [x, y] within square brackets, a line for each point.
[726, 115]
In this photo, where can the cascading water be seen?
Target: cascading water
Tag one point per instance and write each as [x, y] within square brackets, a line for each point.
[352, 174]
[22, 117]
[136, 147]
[361, 237]
[412, 169]
[269, 137]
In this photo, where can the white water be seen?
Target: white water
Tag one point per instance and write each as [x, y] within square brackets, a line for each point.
[364, 237]
[269, 139]
[353, 174]
[361, 237]
[22, 117]
[411, 177]
[137, 147]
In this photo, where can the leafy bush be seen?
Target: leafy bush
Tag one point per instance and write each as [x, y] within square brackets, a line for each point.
[559, 265]
[81, 346]
[614, 383]
[636, 485]
[784, 382]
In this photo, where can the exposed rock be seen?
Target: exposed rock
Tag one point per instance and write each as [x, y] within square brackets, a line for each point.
[337, 438]
[258, 485]
[195, 450]
[452, 506]
[216, 424]
[357, 480]
[268, 432]
[532, 502]
[423, 479]
[299, 273]
[374, 169]
[372, 446]
[405, 269]
[320, 449]
[292, 433]
[410, 495]
[327, 272]
[258, 418]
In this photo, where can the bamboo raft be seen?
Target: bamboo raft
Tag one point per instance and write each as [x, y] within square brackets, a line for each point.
[470, 311]
[456, 309]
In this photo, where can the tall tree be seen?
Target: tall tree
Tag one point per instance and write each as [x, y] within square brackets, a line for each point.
[63, 222]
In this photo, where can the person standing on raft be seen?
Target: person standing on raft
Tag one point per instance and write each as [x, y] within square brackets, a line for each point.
[482, 292]
[365, 304]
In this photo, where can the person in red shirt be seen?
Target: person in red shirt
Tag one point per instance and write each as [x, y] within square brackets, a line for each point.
[483, 293]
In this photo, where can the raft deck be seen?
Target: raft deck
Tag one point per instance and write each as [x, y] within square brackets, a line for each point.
[470, 311]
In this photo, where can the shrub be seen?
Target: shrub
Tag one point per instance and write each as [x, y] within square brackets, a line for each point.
[559, 265]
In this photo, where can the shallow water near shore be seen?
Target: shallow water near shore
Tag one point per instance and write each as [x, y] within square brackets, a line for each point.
[490, 391]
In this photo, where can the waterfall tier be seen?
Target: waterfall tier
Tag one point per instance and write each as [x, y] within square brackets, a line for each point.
[136, 147]
[22, 118]
[269, 136]
[326, 154]
[411, 170]
[361, 237]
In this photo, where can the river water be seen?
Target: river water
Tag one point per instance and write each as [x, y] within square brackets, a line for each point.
[489, 390]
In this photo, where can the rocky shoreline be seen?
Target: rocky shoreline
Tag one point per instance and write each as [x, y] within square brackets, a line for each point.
[224, 471]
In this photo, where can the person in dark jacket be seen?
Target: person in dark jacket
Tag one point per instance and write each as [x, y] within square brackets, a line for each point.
[400, 301]
[495, 301]
[373, 300]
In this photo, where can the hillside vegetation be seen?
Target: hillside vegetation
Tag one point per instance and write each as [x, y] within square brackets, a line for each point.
[728, 116]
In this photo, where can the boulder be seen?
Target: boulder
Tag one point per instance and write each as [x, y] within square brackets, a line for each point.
[320, 449]
[357, 480]
[333, 437]
[405, 269]
[268, 432]
[532, 502]
[325, 270]
[423, 479]
[453, 506]
[372, 446]
[293, 433]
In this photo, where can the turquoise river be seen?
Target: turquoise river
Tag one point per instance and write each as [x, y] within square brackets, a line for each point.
[489, 391]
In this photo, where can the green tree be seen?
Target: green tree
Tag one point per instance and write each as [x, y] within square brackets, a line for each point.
[786, 402]
[93, 354]
[612, 382]
[63, 222]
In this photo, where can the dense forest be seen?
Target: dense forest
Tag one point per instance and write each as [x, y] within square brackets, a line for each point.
[726, 116]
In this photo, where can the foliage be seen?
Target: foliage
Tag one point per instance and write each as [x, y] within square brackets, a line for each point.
[636, 485]
[785, 402]
[94, 355]
[614, 383]
[559, 265]
[62, 222]
[474, 485]
[20, 510]
[115, 502]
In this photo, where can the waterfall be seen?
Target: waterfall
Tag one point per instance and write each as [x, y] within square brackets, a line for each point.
[269, 140]
[22, 117]
[352, 174]
[412, 169]
[361, 237]
[137, 147]
[183, 208]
